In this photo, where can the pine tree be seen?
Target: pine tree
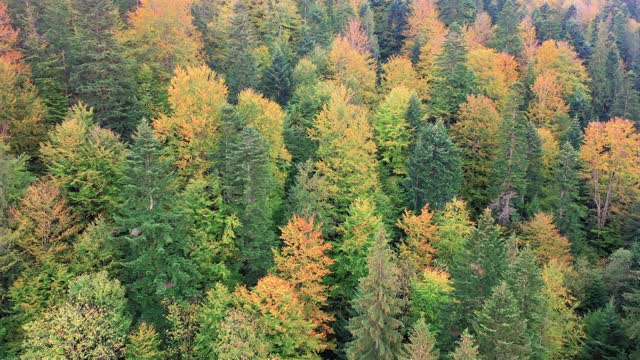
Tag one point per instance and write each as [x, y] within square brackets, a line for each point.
[250, 188]
[481, 269]
[457, 11]
[568, 208]
[524, 279]
[278, 80]
[466, 349]
[241, 66]
[434, 173]
[509, 171]
[375, 327]
[99, 74]
[500, 327]
[452, 79]
[422, 343]
[603, 68]
[506, 37]
[605, 334]
[152, 238]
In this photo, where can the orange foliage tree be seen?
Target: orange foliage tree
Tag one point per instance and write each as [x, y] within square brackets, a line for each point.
[421, 232]
[612, 166]
[304, 263]
[44, 224]
[495, 73]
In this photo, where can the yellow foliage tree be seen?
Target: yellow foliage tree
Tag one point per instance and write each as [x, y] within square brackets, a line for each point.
[545, 240]
[398, 71]
[495, 73]
[612, 166]
[197, 96]
[353, 69]
[161, 35]
[267, 117]
[346, 149]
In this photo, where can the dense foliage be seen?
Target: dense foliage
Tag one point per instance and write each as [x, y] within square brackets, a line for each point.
[319, 179]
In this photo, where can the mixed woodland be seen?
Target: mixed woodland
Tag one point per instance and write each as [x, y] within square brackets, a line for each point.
[320, 179]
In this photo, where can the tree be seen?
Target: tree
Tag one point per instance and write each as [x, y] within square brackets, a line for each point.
[399, 72]
[279, 311]
[240, 65]
[417, 249]
[88, 161]
[278, 80]
[566, 200]
[422, 343]
[495, 74]
[480, 32]
[14, 179]
[144, 344]
[250, 189]
[151, 233]
[162, 36]
[434, 173]
[501, 328]
[482, 268]
[346, 149]
[43, 223]
[475, 133]
[268, 118]
[375, 327]
[304, 263]
[509, 171]
[545, 240]
[99, 74]
[353, 69]
[611, 166]
[91, 323]
[454, 232]
[563, 332]
[466, 349]
[241, 336]
[457, 11]
[431, 294]
[603, 66]
[605, 335]
[506, 36]
[425, 34]
[452, 79]
[392, 133]
[197, 96]
[21, 111]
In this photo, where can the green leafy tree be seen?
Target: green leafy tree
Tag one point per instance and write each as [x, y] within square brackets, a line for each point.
[500, 327]
[144, 344]
[434, 173]
[90, 323]
[152, 235]
[88, 161]
[376, 325]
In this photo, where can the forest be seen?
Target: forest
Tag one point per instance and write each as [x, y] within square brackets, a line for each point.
[320, 179]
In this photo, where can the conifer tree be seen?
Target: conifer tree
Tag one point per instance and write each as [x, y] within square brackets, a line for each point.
[481, 269]
[376, 327]
[278, 80]
[250, 188]
[466, 349]
[452, 79]
[500, 327]
[603, 67]
[422, 343]
[509, 171]
[506, 36]
[434, 173]
[568, 207]
[457, 11]
[241, 66]
[153, 239]
[99, 74]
